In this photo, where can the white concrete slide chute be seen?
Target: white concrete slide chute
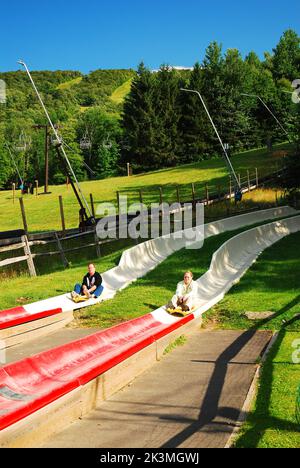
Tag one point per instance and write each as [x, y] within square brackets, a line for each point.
[231, 261]
[137, 261]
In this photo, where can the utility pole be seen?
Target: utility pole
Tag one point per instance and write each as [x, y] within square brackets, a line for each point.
[46, 128]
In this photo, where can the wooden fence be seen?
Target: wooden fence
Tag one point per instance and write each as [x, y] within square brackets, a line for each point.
[210, 195]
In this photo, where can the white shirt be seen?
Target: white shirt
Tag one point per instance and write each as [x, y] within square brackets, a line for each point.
[188, 291]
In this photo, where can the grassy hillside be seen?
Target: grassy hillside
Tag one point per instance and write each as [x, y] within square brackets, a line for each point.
[43, 211]
[69, 84]
[120, 93]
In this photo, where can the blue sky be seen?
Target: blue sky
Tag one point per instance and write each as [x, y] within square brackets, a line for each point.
[94, 34]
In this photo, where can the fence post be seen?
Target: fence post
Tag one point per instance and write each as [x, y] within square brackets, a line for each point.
[23, 215]
[206, 194]
[249, 183]
[14, 192]
[178, 194]
[161, 195]
[230, 188]
[141, 196]
[62, 214]
[36, 188]
[67, 183]
[98, 249]
[61, 250]
[193, 194]
[28, 254]
[92, 205]
[118, 201]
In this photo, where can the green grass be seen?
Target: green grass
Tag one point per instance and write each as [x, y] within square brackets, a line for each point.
[43, 211]
[22, 289]
[181, 341]
[272, 284]
[272, 421]
[120, 93]
[69, 84]
[158, 286]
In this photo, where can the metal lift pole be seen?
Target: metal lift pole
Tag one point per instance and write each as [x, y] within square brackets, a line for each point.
[227, 159]
[272, 113]
[64, 155]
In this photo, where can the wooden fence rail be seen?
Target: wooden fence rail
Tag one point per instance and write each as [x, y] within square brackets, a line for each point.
[211, 194]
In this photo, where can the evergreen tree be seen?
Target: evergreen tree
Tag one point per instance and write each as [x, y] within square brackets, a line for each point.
[166, 111]
[235, 122]
[193, 124]
[138, 119]
[104, 134]
[213, 92]
[286, 59]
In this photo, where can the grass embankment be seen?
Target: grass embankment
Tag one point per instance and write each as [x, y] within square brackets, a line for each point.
[272, 422]
[43, 211]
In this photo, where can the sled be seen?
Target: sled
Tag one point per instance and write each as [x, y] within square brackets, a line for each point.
[79, 299]
[178, 312]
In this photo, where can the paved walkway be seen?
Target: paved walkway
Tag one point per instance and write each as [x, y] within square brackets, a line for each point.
[192, 398]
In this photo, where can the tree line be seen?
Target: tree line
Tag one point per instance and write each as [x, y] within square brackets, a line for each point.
[158, 125]
[164, 126]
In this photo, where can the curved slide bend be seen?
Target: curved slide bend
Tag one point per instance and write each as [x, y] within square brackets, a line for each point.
[137, 261]
[33, 383]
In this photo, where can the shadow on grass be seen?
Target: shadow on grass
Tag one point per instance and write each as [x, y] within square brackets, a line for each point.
[260, 418]
[210, 407]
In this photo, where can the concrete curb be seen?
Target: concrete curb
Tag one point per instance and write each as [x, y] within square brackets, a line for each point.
[28, 331]
[251, 395]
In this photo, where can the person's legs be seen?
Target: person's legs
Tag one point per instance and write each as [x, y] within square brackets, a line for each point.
[77, 288]
[188, 304]
[173, 303]
[97, 293]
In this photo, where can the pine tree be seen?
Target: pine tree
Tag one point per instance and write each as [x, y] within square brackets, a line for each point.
[167, 114]
[286, 59]
[138, 119]
[193, 123]
[213, 91]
